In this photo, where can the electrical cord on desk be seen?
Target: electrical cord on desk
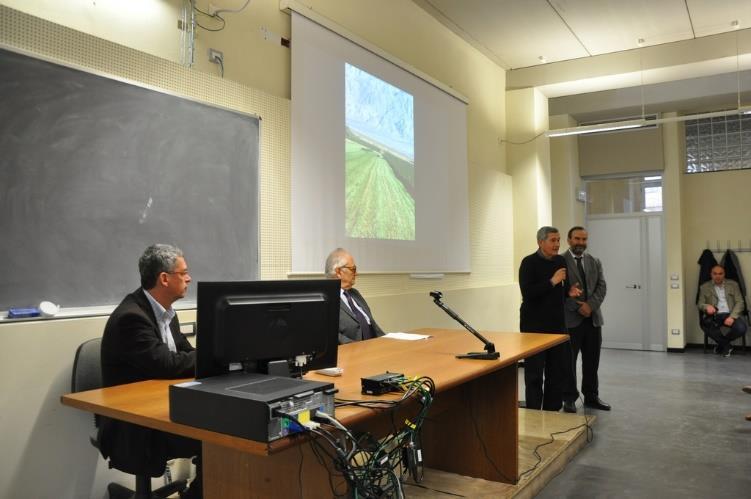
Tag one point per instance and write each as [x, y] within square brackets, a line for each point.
[372, 468]
[299, 470]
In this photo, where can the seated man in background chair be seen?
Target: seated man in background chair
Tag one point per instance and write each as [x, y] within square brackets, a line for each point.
[355, 320]
[141, 341]
[721, 304]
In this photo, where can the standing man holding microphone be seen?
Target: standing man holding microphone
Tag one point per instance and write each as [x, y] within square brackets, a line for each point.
[542, 280]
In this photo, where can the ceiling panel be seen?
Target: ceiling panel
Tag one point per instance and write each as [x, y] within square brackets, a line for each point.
[716, 16]
[606, 26]
[518, 32]
[515, 33]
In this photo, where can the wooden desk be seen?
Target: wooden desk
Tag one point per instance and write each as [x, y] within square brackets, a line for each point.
[472, 426]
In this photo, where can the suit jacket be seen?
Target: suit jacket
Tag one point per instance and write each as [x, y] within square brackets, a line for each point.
[708, 296]
[349, 328]
[596, 289]
[133, 350]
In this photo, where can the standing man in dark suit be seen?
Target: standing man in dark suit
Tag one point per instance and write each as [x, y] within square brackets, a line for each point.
[355, 320]
[542, 280]
[141, 341]
[584, 320]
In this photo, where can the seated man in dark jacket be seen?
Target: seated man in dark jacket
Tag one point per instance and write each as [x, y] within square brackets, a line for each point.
[141, 341]
[355, 319]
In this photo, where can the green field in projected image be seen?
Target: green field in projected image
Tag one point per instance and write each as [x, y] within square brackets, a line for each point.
[378, 191]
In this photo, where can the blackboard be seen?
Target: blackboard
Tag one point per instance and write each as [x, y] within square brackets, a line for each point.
[93, 170]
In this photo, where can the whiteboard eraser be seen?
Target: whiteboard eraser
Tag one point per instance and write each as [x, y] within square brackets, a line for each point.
[20, 313]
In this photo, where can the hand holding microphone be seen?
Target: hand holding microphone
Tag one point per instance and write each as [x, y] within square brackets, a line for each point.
[558, 277]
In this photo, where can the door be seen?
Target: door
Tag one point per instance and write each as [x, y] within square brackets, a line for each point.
[630, 249]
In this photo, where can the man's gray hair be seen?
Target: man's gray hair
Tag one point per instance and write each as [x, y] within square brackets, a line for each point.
[542, 234]
[335, 260]
[156, 259]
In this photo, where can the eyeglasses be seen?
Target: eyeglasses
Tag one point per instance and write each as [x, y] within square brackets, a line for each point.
[181, 273]
[352, 269]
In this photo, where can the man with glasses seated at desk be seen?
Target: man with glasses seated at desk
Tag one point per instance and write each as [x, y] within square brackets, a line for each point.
[355, 319]
[142, 341]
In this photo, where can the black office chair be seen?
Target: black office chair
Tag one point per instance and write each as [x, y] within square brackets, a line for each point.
[87, 375]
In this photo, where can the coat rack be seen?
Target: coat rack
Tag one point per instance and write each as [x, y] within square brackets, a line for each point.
[738, 249]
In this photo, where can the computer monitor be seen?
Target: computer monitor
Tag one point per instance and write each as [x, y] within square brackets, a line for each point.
[251, 325]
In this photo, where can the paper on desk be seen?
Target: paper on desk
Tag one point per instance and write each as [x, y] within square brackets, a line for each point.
[406, 336]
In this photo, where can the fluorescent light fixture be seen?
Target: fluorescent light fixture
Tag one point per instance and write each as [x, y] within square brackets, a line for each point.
[600, 127]
[701, 116]
[638, 123]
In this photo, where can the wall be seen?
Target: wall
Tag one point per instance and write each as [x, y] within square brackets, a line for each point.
[672, 206]
[565, 180]
[41, 438]
[622, 151]
[528, 153]
[715, 213]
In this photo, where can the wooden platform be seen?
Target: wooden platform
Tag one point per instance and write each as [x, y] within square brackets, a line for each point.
[535, 428]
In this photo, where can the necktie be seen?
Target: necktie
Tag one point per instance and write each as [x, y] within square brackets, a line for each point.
[580, 268]
[364, 326]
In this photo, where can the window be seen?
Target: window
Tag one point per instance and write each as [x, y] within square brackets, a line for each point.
[624, 195]
[718, 144]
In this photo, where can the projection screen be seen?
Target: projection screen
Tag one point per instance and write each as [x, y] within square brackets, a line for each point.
[379, 161]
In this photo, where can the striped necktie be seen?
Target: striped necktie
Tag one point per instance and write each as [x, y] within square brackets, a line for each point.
[364, 326]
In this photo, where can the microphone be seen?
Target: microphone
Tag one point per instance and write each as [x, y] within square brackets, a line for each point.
[488, 354]
[561, 265]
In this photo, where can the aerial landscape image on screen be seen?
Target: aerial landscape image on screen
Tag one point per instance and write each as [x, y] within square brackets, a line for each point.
[379, 158]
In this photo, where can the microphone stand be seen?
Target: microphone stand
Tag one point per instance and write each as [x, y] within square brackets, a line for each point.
[488, 354]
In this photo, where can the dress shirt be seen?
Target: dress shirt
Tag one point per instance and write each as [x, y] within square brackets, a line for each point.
[163, 319]
[722, 302]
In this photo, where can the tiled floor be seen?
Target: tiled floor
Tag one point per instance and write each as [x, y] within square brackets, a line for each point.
[677, 429]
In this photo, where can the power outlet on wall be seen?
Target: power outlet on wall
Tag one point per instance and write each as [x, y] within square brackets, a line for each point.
[675, 332]
[215, 56]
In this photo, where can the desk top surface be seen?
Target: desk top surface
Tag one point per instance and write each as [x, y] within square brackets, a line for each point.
[146, 402]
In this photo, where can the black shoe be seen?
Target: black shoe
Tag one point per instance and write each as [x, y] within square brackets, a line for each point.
[569, 406]
[728, 351]
[717, 349]
[596, 403]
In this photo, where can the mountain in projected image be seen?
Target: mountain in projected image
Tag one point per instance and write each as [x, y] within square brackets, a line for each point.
[379, 158]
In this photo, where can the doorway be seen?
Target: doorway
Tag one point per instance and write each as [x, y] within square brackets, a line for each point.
[624, 219]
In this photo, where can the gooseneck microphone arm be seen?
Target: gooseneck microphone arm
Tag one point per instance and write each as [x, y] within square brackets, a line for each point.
[488, 354]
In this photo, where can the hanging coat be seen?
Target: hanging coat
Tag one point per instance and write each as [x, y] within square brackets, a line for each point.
[706, 262]
[733, 271]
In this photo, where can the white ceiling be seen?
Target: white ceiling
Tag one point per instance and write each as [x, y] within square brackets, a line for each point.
[518, 33]
[615, 55]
